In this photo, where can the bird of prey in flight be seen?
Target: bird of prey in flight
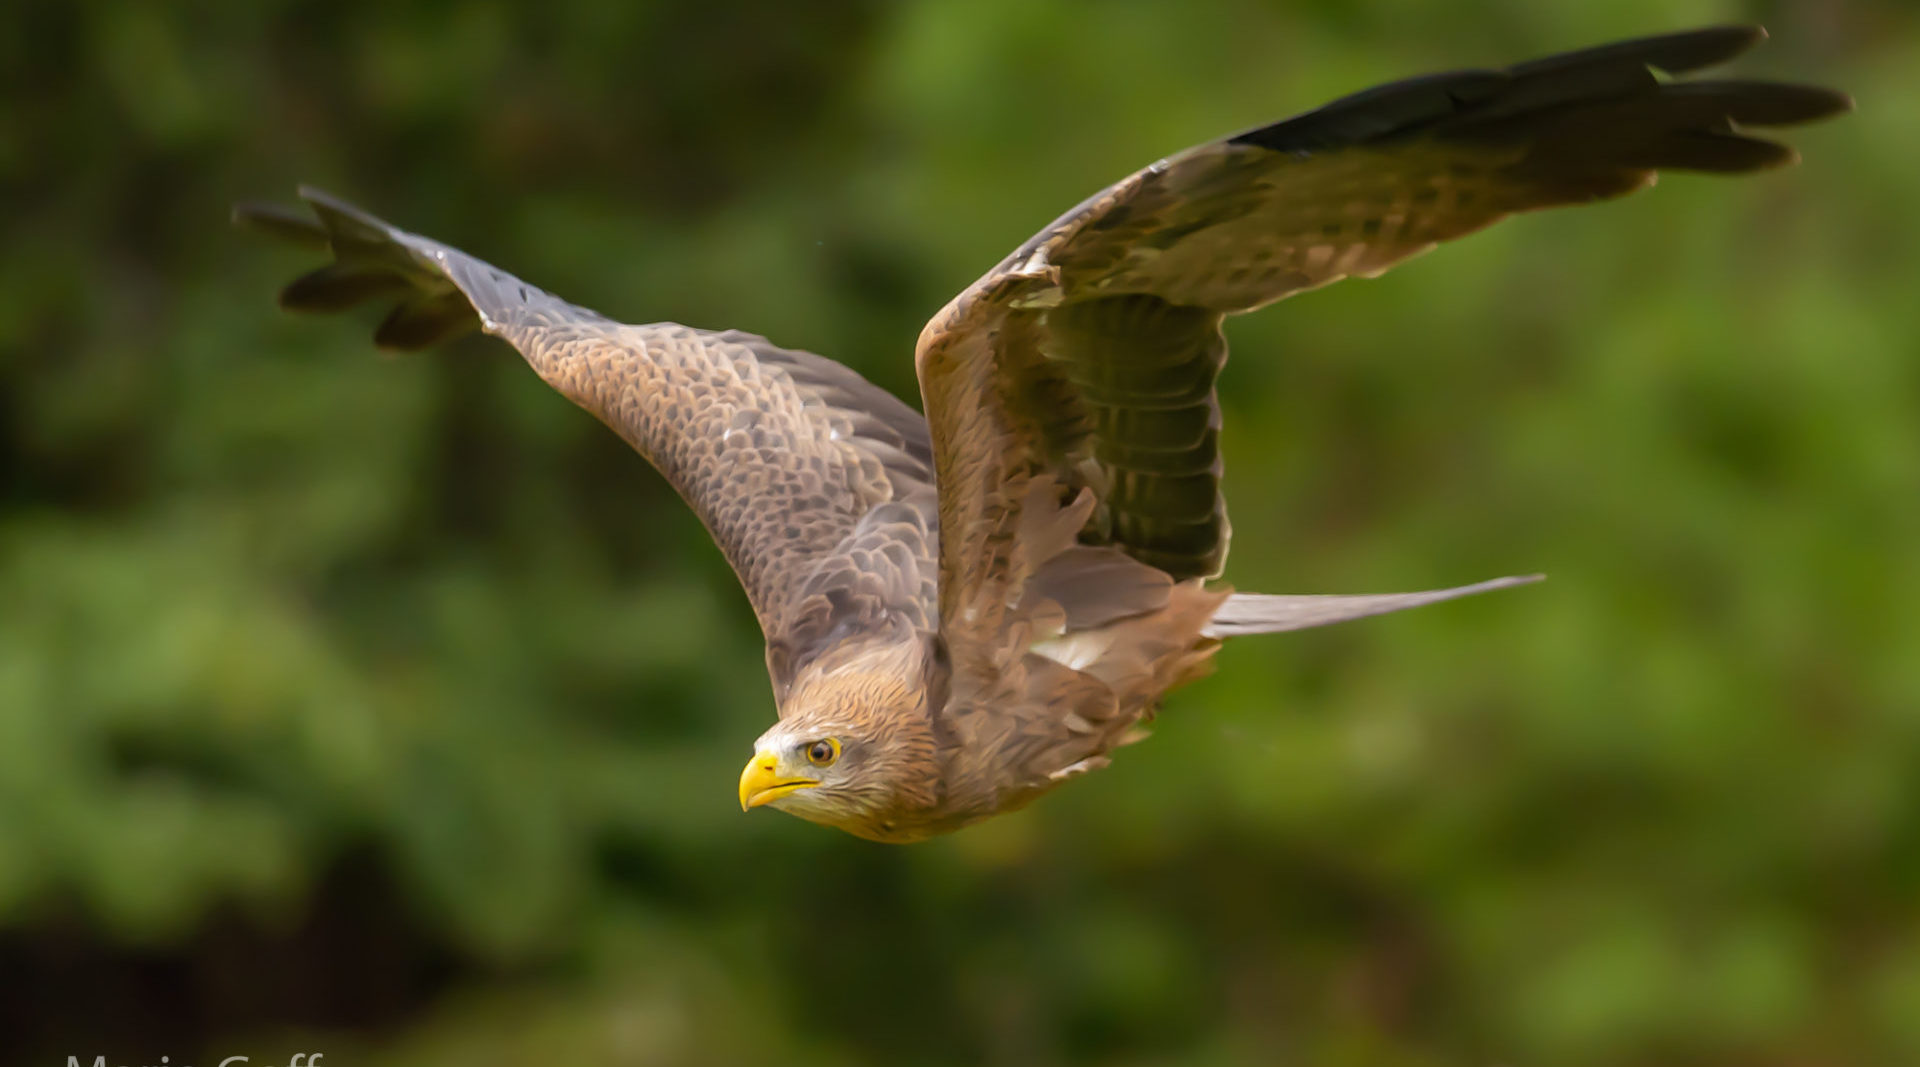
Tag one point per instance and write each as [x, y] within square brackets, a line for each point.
[966, 608]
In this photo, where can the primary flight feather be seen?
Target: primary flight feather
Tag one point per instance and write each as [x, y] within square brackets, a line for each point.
[966, 609]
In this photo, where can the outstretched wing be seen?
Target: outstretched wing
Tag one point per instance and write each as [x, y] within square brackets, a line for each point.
[816, 484]
[1085, 362]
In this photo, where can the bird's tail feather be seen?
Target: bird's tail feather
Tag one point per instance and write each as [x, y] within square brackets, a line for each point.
[1262, 613]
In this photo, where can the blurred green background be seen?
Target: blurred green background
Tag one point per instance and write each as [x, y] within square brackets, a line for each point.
[391, 709]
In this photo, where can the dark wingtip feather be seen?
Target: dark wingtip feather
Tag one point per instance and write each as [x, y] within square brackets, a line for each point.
[1546, 95]
[372, 261]
[1761, 103]
[338, 286]
[427, 321]
[344, 222]
[1675, 53]
[283, 223]
[1715, 153]
[320, 198]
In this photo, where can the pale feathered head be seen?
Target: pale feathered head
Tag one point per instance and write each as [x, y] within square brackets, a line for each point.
[853, 748]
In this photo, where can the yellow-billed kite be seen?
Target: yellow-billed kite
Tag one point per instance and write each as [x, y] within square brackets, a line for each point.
[963, 610]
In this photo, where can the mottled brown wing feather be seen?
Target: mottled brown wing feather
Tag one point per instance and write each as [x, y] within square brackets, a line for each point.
[1089, 355]
[816, 484]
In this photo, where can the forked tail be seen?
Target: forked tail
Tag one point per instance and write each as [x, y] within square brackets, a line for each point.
[1263, 613]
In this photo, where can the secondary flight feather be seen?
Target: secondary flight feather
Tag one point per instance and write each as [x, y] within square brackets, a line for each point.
[965, 609]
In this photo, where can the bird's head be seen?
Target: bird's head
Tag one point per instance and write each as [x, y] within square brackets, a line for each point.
[853, 750]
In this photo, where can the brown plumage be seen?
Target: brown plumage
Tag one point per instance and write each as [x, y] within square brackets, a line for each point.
[940, 656]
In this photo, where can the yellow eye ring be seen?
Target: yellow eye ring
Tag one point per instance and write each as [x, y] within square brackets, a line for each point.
[823, 752]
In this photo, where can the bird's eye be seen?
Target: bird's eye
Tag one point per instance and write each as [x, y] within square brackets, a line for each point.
[821, 753]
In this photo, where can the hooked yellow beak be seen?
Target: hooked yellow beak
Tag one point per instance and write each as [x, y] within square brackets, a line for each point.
[761, 783]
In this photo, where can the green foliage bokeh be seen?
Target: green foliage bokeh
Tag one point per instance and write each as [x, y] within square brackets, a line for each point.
[273, 608]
